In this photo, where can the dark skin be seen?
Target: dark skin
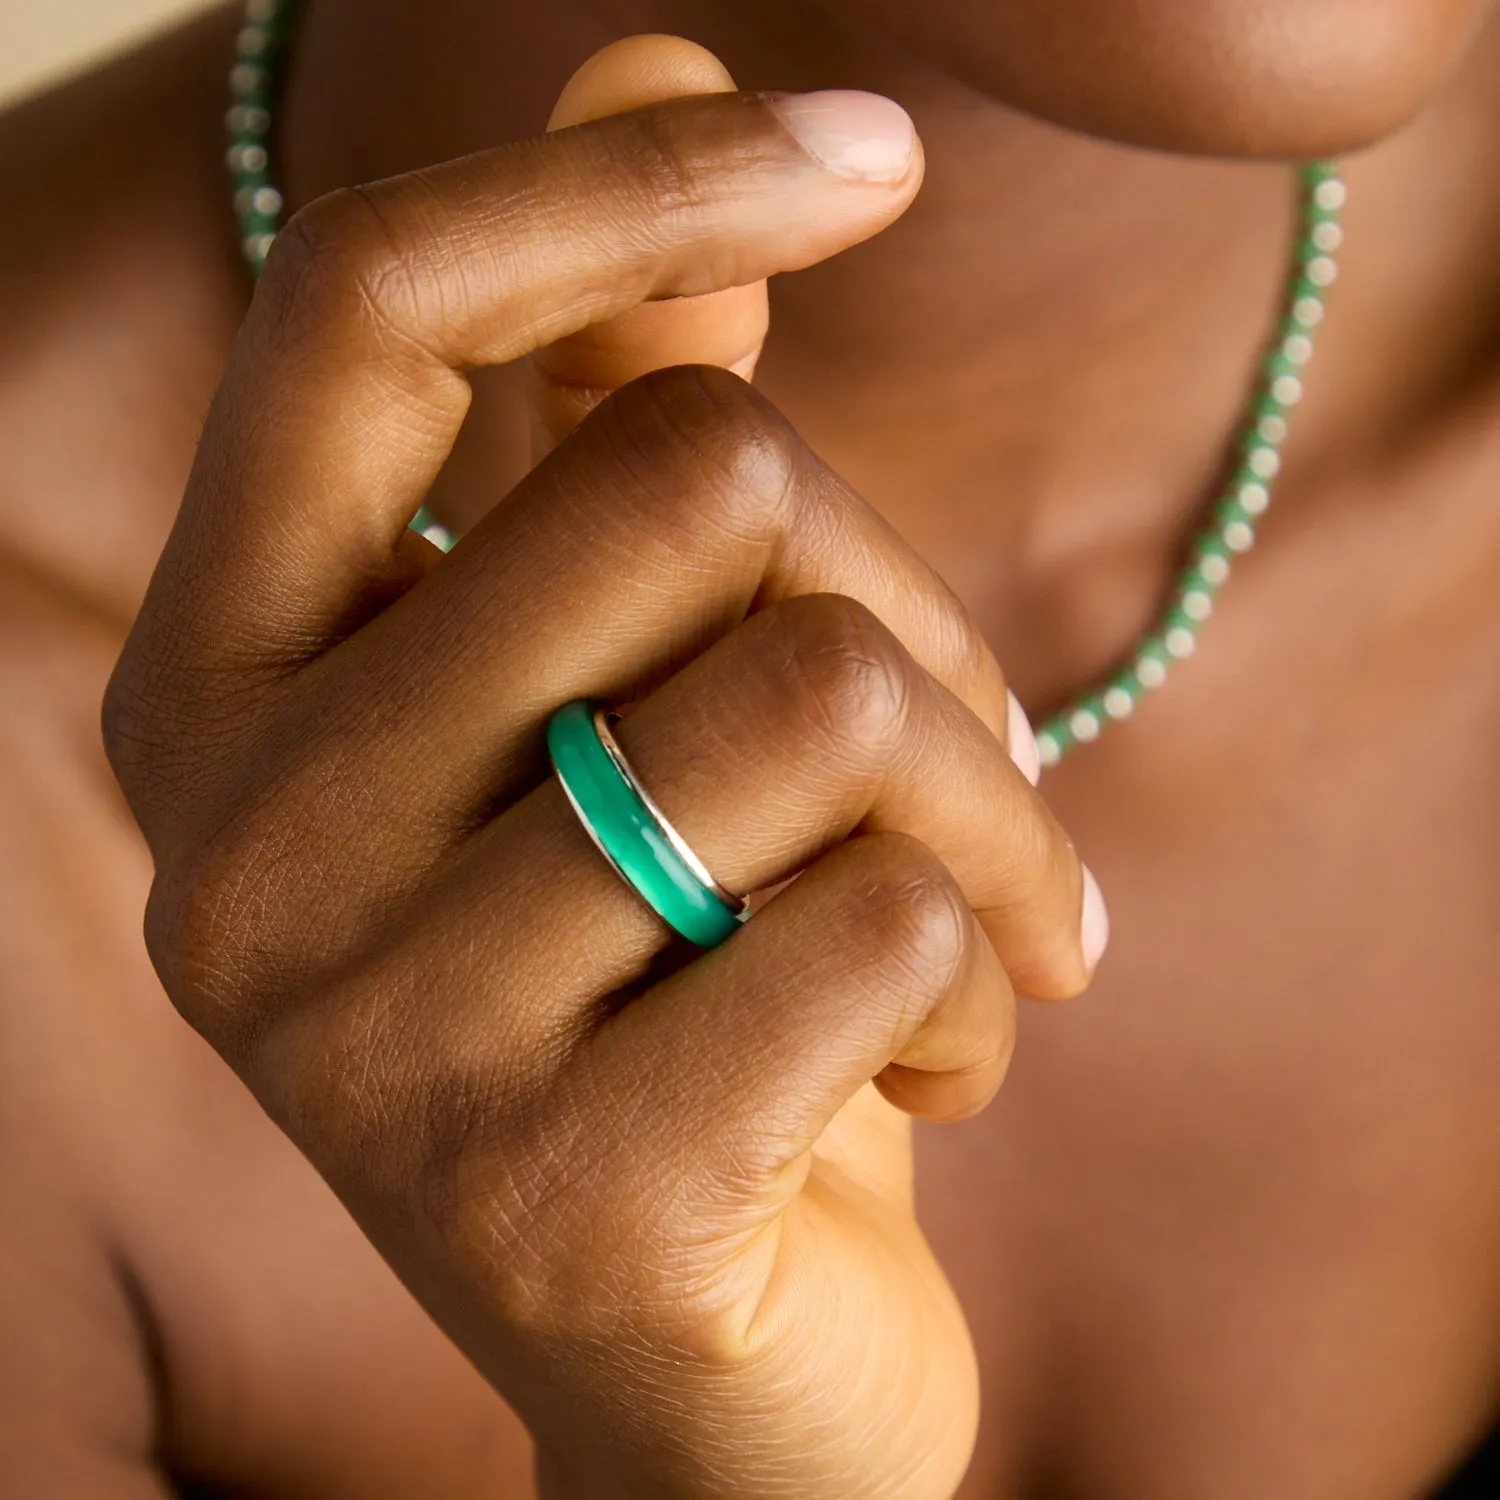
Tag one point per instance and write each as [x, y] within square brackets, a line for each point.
[1231, 1220]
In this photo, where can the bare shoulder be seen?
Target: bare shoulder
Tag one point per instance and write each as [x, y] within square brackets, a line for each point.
[119, 297]
[77, 1406]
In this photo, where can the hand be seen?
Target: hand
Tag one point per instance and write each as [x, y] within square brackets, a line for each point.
[654, 1196]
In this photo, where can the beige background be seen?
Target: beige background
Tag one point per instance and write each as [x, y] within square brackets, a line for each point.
[41, 40]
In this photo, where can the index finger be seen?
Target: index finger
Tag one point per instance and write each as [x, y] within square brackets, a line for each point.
[345, 390]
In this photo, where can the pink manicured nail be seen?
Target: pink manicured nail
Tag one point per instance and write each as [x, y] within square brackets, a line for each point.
[1095, 921]
[865, 137]
[1023, 746]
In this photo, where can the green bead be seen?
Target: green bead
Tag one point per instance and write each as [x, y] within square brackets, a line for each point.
[1192, 581]
[1060, 733]
[1152, 654]
[1253, 438]
[427, 526]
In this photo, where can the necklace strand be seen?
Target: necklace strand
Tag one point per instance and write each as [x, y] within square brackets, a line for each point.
[1231, 526]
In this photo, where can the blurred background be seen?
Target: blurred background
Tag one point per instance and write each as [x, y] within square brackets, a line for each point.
[42, 40]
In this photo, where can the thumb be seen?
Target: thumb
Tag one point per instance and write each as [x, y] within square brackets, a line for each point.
[724, 328]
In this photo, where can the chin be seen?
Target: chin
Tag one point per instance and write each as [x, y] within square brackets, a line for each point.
[1253, 78]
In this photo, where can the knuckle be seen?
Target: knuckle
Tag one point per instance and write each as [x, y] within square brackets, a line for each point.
[696, 444]
[914, 915]
[649, 148]
[343, 262]
[167, 756]
[311, 257]
[209, 939]
[128, 726]
[849, 679]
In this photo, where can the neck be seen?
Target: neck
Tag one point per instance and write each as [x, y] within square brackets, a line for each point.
[1053, 348]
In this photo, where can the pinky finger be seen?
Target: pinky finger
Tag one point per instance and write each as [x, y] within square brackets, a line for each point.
[869, 965]
[959, 1057]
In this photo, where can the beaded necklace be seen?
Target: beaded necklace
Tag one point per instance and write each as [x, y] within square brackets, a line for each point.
[1230, 528]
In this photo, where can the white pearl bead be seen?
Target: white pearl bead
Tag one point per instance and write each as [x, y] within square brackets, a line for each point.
[1150, 672]
[265, 200]
[1118, 704]
[1238, 537]
[1255, 498]
[258, 246]
[250, 41]
[1181, 643]
[1196, 605]
[1327, 237]
[1287, 390]
[1264, 462]
[1214, 567]
[246, 78]
[247, 158]
[1322, 270]
[1084, 725]
[1308, 311]
[257, 12]
[1331, 195]
[1271, 429]
[1048, 749]
[1298, 348]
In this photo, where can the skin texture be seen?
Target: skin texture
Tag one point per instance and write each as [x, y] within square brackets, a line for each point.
[1247, 77]
[495, 1169]
[1230, 1223]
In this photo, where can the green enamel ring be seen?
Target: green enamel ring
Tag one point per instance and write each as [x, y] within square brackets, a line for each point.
[629, 830]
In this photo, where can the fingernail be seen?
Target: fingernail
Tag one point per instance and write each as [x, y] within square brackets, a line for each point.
[864, 137]
[1022, 742]
[1095, 921]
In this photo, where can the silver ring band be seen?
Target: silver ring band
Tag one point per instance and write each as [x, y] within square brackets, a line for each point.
[603, 719]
